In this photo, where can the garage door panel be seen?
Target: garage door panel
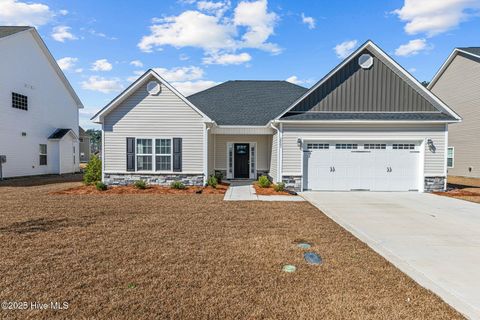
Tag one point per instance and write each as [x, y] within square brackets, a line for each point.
[374, 166]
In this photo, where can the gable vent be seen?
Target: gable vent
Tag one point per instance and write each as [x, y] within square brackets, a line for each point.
[365, 61]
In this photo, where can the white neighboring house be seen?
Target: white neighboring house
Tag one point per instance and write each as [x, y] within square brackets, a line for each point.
[39, 108]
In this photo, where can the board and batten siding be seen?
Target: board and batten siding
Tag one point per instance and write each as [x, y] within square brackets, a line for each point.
[292, 154]
[273, 157]
[153, 116]
[459, 87]
[263, 149]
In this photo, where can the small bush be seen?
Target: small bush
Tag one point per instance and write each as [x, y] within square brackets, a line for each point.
[177, 185]
[279, 187]
[140, 184]
[100, 186]
[219, 176]
[212, 181]
[263, 182]
[93, 171]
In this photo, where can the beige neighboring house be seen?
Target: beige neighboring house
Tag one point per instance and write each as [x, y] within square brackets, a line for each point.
[84, 145]
[457, 83]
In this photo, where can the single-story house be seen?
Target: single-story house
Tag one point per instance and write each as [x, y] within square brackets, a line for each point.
[367, 125]
[457, 83]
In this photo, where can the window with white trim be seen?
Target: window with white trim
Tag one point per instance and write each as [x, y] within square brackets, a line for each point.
[42, 154]
[450, 157]
[312, 146]
[371, 146]
[403, 146]
[163, 155]
[346, 146]
[144, 154]
[19, 101]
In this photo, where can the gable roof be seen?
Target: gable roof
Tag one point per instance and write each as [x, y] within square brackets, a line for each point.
[98, 117]
[246, 102]
[470, 52]
[6, 31]
[346, 89]
[59, 133]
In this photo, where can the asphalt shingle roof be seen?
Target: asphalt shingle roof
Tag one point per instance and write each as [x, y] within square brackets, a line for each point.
[6, 31]
[425, 116]
[59, 133]
[472, 50]
[246, 102]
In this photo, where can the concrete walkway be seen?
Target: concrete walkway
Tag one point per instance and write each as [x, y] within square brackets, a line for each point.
[244, 191]
[433, 239]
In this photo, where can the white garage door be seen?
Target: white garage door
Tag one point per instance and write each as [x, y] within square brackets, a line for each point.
[369, 165]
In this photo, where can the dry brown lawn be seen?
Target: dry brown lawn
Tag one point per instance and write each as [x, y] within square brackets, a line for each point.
[195, 256]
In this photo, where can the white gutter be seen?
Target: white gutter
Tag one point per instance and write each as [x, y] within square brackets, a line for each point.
[368, 121]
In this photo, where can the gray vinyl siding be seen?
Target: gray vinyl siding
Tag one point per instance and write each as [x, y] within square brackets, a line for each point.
[378, 89]
[292, 154]
[459, 87]
[144, 116]
[273, 157]
[211, 153]
[263, 149]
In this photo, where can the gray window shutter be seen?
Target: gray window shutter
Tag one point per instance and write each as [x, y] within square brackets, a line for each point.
[130, 154]
[177, 154]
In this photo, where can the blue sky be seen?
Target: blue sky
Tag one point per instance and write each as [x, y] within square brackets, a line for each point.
[103, 46]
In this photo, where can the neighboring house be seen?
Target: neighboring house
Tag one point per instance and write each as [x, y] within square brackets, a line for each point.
[457, 83]
[39, 108]
[84, 145]
[367, 125]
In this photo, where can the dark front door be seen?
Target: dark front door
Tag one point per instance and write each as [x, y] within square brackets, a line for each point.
[241, 160]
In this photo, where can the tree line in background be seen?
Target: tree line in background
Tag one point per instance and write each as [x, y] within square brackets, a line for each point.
[95, 140]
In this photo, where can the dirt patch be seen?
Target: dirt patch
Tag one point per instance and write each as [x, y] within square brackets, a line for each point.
[468, 194]
[268, 191]
[82, 189]
[143, 256]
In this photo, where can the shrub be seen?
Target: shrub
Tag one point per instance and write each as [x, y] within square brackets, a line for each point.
[219, 176]
[100, 186]
[93, 171]
[212, 181]
[279, 187]
[140, 184]
[263, 182]
[177, 185]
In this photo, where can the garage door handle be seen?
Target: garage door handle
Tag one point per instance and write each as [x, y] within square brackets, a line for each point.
[389, 169]
[332, 169]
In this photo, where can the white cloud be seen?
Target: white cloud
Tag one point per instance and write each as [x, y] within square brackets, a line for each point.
[259, 22]
[136, 63]
[435, 16]
[217, 8]
[309, 21]
[101, 65]
[79, 70]
[225, 59]
[250, 26]
[101, 84]
[94, 32]
[411, 48]
[344, 49]
[180, 73]
[63, 12]
[412, 70]
[13, 12]
[183, 57]
[67, 63]
[190, 87]
[294, 80]
[62, 33]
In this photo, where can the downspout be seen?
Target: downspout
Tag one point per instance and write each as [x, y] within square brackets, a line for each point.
[278, 152]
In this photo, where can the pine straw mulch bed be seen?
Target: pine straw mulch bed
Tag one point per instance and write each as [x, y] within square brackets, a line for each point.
[268, 191]
[153, 189]
[175, 257]
[468, 194]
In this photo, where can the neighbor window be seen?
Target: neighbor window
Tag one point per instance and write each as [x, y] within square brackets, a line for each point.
[450, 157]
[19, 101]
[144, 154]
[163, 154]
[43, 154]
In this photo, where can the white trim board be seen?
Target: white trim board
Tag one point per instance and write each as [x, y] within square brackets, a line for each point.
[372, 46]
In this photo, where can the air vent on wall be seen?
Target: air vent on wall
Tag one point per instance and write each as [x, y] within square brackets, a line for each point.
[153, 87]
[365, 61]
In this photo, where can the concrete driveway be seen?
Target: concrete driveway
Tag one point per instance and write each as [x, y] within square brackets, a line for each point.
[433, 239]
